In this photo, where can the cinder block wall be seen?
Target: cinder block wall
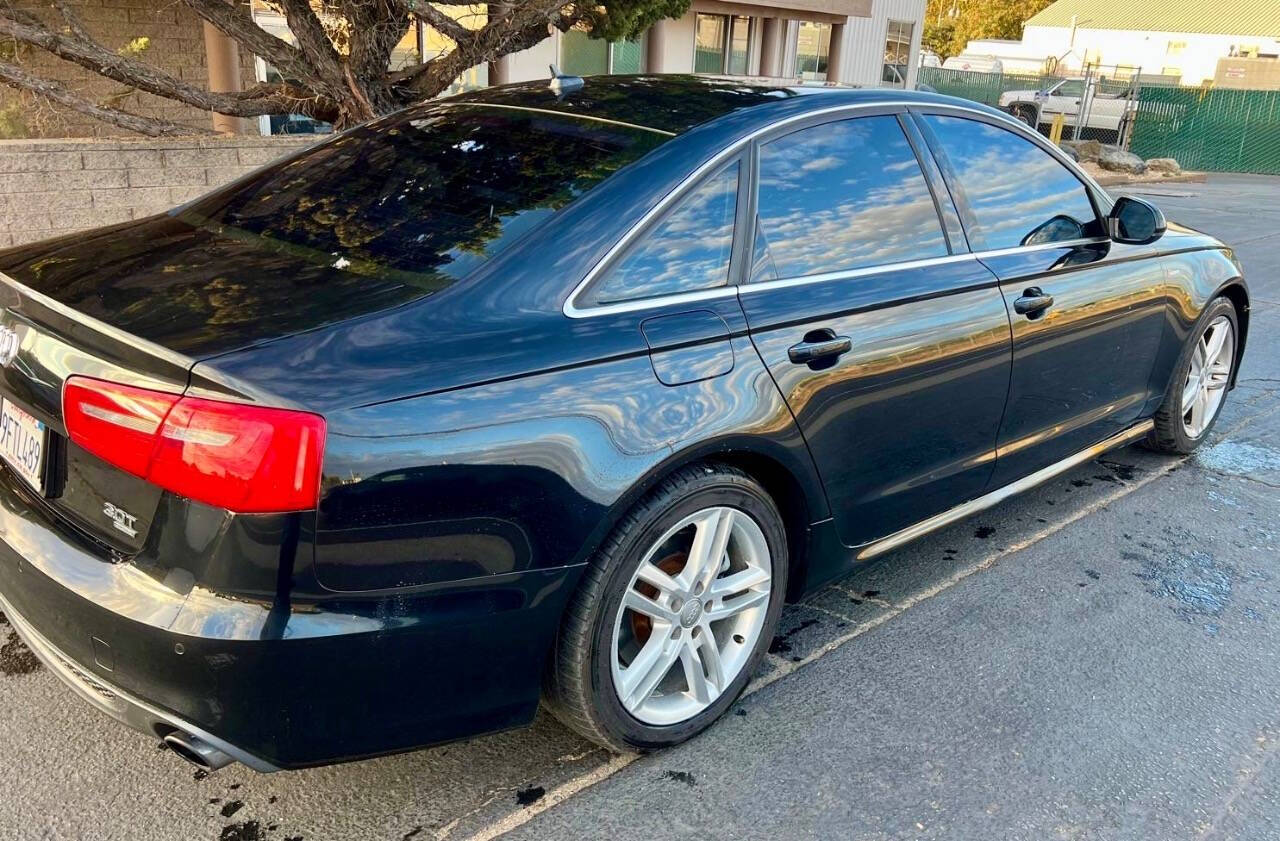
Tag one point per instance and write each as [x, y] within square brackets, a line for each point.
[53, 187]
[176, 36]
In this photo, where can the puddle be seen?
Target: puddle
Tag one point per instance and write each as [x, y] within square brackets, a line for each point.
[1239, 458]
[1199, 586]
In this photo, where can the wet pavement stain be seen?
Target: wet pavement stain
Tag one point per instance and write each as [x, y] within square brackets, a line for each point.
[16, 658]
[1198, 584]
[244, 831]
[231, 808]
[1123, 472]
[780, 644]
[680, 777]
[1239, 458]
[413, 833]
[528, 796]
[1093, 573]
[984, 532]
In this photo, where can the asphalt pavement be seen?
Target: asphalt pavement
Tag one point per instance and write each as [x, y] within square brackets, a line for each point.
[1096, 659]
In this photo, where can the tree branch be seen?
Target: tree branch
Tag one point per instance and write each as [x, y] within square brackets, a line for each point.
[18, 78]
[518, 29]
[314, 42]
[237, 23]
[374, 28]
[439, 21]
[94, 57]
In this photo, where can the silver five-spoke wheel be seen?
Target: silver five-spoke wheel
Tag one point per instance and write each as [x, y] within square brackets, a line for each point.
[691, 615]
[1208, 376]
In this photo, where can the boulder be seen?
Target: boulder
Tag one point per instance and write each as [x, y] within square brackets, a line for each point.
[1086, 150]
[1164, 166]
[1118, 160]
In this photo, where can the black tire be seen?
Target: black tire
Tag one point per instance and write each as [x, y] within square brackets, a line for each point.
[1170, 434]
[578, 687]
[1027, 115]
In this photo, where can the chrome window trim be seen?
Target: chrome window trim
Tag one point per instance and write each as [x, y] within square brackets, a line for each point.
[864, 271]
[861, 271]
[572, 310]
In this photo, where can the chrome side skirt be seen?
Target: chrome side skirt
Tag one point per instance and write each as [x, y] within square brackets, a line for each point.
[982, 503]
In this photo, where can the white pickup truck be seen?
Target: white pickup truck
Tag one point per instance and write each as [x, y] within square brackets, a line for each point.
[1105, 111]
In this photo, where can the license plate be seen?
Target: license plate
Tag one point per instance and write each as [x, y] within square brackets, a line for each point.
[22, 444]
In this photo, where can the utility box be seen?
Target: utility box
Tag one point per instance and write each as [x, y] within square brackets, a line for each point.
[1259, 74]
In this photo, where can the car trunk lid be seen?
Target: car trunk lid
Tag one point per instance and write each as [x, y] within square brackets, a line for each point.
[42, 343]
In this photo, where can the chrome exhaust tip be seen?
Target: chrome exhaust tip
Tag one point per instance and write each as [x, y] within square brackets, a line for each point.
[197, 752]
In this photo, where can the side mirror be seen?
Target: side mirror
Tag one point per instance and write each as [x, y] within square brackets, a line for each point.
[1135, 221]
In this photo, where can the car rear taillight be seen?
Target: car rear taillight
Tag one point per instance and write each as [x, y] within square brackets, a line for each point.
[244, 458]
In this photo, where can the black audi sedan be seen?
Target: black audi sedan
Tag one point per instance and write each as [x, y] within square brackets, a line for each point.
[554, 395]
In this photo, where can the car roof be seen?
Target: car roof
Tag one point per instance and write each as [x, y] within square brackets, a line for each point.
[674, 104]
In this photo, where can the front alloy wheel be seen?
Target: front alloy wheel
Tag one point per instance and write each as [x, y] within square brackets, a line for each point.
[1200, 381]
[1208, 376]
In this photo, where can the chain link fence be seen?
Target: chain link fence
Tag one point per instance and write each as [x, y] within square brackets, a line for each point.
[1213, 130]
[1210, 130]
[1097, 105]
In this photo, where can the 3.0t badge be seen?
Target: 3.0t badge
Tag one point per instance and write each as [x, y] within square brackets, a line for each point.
[122, 520]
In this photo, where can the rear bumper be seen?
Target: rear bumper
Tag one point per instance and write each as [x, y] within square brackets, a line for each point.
[278, 685]
[115, 702]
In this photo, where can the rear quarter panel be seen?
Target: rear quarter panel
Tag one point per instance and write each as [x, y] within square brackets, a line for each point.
[532, 472]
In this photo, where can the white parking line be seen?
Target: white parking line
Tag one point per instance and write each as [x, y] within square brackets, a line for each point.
[784, 667]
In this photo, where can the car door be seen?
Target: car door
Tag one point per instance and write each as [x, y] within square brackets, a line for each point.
[1087, 312]
[1065, 98]
[889, 342]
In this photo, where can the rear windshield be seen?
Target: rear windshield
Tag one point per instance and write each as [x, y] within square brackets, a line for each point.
[426, 195]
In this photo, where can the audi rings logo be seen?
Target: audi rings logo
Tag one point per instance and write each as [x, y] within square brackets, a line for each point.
[9, 343]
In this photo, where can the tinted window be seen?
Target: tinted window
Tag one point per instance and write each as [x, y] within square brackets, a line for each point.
[424, 196]
[688, 251]
[845, 195]
[1019, 193]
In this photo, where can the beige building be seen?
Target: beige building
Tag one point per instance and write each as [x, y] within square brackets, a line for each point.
[865, 42]
[862, 42]
[1181, 41]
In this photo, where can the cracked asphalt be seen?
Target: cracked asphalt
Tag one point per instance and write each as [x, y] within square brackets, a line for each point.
[1096, 659]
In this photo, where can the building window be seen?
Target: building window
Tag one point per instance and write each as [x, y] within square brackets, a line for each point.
[897, 53]
[813, 45]
[582, 55]
[625, 56]
[722, 44]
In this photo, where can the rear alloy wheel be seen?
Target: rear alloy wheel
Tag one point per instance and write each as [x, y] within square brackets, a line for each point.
[691, 616]
[675, 613]
[1200, 382]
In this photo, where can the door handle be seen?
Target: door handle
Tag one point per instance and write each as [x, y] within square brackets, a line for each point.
[1033, 303]
[819, 346]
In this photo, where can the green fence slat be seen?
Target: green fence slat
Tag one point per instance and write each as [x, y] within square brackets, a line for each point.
[1214, 130]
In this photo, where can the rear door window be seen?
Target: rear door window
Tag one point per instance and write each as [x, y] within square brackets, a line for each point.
[843, 195]
[688, 251]
[1018, 194]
